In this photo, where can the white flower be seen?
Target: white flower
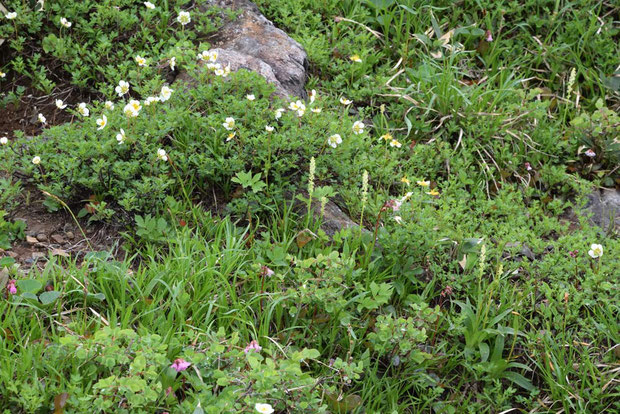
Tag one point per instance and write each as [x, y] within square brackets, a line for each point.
[151, 99]
[316, 110]
[161, 154]
[109, 105]
[149, 5]
[301, 112]
[60, 104]
[165, 93]
[184, 18]
[214, 66]
[312, 96]
[345, 101]
[42, 119]
[269, 128]
[590, 153]
[358, 127]
[4, 141]
[334, 140]
[122, 88]
[83, 110]
[398, 219]
[296, 106]
[264, 408]
[596, 251]
[395, 143]
[102, 122]
[36, 160]
[121, 137]
[230, 136]
[140, 61]
[132, 109]
[278, 113]
[250, 97]
[11, 15]
[65, 22]
[2, 74]
[229, 124]
[208, 56]
[172, 62]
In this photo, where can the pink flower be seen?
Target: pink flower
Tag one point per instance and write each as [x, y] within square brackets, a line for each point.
[265, 271]
[168, 392]
[394, 204]
[590, 153]
[11, 287]
[573, 253]
[180, 365]
[489, 36]
[252, 346]
[528, 166]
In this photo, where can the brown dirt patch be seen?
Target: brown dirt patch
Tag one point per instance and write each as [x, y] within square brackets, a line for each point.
[57, 234]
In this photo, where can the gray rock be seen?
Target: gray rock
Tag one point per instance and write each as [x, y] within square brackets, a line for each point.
[604, 208]
[252, 42]
[334, 218]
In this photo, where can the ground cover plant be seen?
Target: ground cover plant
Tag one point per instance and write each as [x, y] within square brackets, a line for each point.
[461, 137]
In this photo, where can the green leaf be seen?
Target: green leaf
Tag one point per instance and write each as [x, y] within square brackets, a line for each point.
[29, 285]
[6, 262]
[49, 297]
[519, 380]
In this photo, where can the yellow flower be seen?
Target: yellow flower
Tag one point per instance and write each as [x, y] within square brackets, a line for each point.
[423, 183]
[387, 137]
[433, 192]
[356, 59]
[405, 180]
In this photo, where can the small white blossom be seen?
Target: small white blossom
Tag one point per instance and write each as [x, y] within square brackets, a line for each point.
[4, 141]
[121, 137]
[250, 97]
[229, 123]
[83, 110]
[132, 109]
[149, 5]
[102, 122]
[165, 93]
[230, 136]
[590, 153]
[269, 128]
[66, 23]
[184, 18]
[312, 96]
[172, 62]
[278, 113]
[358, 127]
[36, 160]
[11, 15]
[334, 140]
[109, 105]
[42, 119]
[60, 104]
[395, 143]
[151, 99]
[264, 408]
[316, 110]
[345, 101]
[122, 88]
[161, 154]
[2, 75]
[140, 61]
[596, 251]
